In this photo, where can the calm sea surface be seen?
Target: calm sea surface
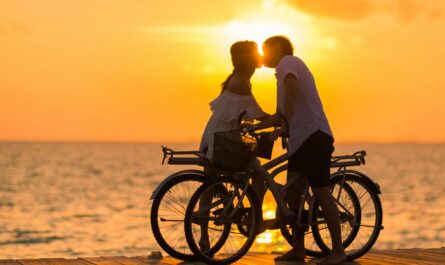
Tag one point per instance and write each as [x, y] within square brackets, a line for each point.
[92, 199]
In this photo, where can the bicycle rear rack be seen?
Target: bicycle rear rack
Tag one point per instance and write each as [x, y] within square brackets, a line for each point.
[356, 159]
[185, 157]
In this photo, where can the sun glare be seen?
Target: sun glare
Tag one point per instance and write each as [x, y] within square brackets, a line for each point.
[257, 31]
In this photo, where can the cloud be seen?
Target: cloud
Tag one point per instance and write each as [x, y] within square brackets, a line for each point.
[404, 10]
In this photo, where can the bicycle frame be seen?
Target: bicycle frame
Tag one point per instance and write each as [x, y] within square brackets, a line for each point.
[342, 162]
[278, 165]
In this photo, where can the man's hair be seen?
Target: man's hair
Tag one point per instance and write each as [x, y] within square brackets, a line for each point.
[284, 42]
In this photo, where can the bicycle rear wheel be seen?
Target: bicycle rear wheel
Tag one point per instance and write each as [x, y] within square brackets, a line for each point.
[363, 229]
[349, 210]
[233, 228]
[168, 212]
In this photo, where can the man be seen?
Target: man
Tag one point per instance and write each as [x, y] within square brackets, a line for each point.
[310, 144]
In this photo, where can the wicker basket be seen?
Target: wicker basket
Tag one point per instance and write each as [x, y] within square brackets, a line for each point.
[232, 151]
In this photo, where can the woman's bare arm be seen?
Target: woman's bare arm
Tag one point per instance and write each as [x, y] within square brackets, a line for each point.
[264, 117]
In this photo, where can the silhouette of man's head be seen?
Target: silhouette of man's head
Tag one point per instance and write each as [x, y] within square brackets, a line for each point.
[275, 48]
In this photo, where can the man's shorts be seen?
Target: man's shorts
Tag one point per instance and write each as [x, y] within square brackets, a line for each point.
[313, 158]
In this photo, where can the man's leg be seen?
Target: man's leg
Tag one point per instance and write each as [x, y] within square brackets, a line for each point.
[331, 215]
[293, 197]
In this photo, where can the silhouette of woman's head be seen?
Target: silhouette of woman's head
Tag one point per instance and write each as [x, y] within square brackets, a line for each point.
[245, 56]
[245, 59]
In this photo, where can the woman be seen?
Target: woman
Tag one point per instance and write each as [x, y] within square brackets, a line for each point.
[235, 98]
[236, 95]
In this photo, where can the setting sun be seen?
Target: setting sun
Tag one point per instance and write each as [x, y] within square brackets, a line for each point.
[257, 31]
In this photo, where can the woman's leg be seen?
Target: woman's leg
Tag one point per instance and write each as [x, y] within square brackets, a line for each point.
[273, 186]
[204, 202]
[258, 187]
[260, 190]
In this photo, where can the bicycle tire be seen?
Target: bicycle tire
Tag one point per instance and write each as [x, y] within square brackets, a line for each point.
[209, 258]
[377, 227]
[167, 246]
[285, 231]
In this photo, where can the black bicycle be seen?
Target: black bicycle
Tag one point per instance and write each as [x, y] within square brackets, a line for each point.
[233, 215]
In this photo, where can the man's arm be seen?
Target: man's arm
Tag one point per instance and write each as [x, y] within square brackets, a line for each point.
[290, 93]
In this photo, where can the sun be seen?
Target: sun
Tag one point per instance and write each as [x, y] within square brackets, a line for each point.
[255, 30]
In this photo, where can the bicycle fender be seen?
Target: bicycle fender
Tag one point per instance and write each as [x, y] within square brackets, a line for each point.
[374, 185]
[174, 175]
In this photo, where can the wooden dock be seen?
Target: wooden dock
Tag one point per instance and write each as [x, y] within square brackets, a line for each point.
[375, 257]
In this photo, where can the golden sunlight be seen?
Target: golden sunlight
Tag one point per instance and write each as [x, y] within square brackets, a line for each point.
[255, 30]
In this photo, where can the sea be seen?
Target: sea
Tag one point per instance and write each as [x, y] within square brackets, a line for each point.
[62, 199]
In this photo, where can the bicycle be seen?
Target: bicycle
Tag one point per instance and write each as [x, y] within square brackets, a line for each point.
[234, 213]
[170, 200]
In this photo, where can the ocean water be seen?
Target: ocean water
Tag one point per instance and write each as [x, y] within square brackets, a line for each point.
[92, 199]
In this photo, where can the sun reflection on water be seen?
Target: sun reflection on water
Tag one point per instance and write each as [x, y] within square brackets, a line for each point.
[270, 240]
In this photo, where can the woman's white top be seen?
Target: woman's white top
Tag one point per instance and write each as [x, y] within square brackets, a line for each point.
[307, 111]
[226, 109]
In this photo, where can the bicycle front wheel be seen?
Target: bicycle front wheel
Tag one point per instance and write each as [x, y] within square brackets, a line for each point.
[310, 246]
[223, 213]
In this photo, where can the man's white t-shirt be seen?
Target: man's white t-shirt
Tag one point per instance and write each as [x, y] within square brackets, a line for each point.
[308, 114]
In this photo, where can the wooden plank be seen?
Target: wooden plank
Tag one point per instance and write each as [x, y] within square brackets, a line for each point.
[375, 257]
[101, 260]
[162, 261]
[379, 261]
[423, 252]
[78, 262]
[42, 261]
[52, 261]
[417, 257]
[258, 258]
[414, 255]
[9, 262]
[396, 259]
[125, 260]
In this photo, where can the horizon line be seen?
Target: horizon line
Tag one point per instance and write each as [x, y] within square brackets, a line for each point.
[197, 142]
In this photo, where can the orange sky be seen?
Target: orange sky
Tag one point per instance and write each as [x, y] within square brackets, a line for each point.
[146, 70]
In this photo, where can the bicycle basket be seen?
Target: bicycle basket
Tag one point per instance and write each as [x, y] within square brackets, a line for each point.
[232, 151]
